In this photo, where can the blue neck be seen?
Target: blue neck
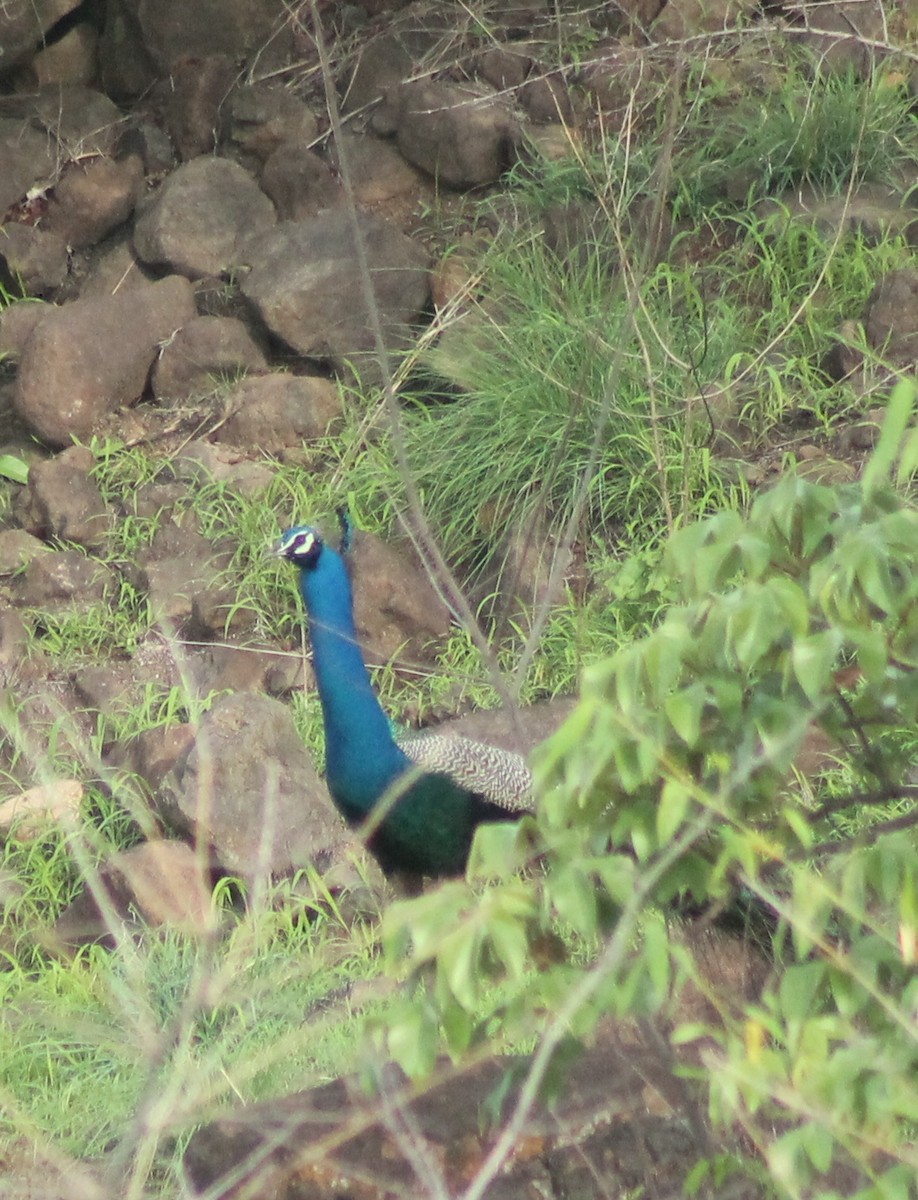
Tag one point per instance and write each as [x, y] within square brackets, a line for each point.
[362, 758]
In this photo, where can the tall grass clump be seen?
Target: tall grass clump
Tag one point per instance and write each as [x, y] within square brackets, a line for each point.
[792, 128]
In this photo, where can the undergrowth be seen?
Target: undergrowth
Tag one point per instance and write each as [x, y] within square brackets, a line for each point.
[591, 374]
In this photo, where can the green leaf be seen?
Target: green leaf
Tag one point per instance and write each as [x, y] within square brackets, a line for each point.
[819, 1145]
[799, 987]
[458, 1027]
[458, 961]
[683, 710]
[908, 459]
[656, 956]
[14, 468]
[815, 658]
[574, 898]
[872, 653]
[510, 943]
[899, 412]
[799, 825]
[753, 629]
[617, 873]
[675, 799]
[412, 1041]
[495, 852]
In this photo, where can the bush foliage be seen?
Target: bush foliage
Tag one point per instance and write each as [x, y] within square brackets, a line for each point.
[674, 780]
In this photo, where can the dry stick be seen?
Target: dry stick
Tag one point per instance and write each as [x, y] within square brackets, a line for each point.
[415, 522]
[607, 963]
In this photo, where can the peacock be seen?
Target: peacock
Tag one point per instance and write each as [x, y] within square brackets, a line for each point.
[421, 795]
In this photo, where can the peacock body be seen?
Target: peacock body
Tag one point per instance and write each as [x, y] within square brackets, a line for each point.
[434, 790]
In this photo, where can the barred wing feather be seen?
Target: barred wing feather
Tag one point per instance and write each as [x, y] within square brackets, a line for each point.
[500, 776]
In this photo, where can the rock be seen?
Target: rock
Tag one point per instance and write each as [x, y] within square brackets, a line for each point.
[157, 501]
[456, 278]
[617, 75]
[274, 412]
[579, 233]
[25, 23]
[516, 577]
[248, 668]
[30, 813]
[872, 210]
[161, 882]
[396, 607]
[93, 198]
[154, 753]
[418, 37]
[892, 317]
[334, 1139]
[845, 34]
[26, 160]
[152, 144]
[506, 67]
[248, 790]
[195, 95]
[69, 60]
[64, 502]
[17, 322]
[175, 570]
[108, 688]
[520, 730]
[33, 258]
[266, 117]
[863, 435]
[547, 99]
[126, 70]
[461, 136]
[17, 549]
[81, 120]
[14, 642]
[166, 884]
[686, 18]
[200, 212]
[845, 356]
[300, 183]
[383, 63]
[306, 287]
[378, 172]
[173, 30]
[64, 578]
[203, 354]
[115, 270]
[216, 612]
[200, 461]
[84, 360]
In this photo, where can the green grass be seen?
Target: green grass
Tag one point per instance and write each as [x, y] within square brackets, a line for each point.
[798, 127]
[257, 1009]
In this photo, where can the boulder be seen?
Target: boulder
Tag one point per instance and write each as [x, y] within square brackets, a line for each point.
[86, 359]
[306, 285]
[201, 211]
[249, 791]
[462, 136]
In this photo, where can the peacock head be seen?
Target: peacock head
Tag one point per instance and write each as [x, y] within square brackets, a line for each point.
[301, 545]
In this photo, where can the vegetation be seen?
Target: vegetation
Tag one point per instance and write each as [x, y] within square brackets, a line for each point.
[674, 777]
[628, 405]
